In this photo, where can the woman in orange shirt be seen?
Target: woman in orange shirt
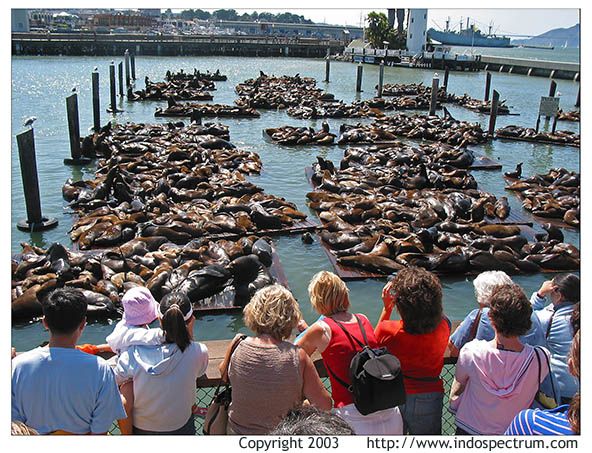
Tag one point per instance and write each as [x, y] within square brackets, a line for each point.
[419, 341]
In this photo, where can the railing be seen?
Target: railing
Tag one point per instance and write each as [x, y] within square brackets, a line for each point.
[206, 385]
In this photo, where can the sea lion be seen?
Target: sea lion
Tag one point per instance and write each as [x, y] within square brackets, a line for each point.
[516, 174]
[371, 263]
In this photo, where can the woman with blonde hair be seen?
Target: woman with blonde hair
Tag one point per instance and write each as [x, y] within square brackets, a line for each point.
[334, 336]
[269, 375]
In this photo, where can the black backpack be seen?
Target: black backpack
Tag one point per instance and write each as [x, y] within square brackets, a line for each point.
[375, 375]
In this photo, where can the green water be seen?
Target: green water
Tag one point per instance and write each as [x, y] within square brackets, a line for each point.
[41, 84]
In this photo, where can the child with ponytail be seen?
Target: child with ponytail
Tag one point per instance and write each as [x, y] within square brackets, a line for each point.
[164, 375]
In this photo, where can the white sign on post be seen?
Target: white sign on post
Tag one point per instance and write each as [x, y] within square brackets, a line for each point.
[549, 106]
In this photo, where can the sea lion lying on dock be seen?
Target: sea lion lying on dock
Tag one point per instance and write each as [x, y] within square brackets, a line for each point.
[555, 194]
[201, 269]
[445, 130]
[207, 110]
[530, 134]
[288, 135]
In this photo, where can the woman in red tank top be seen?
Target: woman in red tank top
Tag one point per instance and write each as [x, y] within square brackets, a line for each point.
[329, 296]
[419, 341]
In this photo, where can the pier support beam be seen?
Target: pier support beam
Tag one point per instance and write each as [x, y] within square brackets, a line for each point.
[74, 132]
[493, 113]
[126, 58]
[577, 104]
[360, 70]
[327, 68]
[113, 107]
[446, 74]
[434, 98]
[35, 220]
[96, 100]
[552, 91]
[133, 66]
[380, 78]
[487, 86]
[120, 72]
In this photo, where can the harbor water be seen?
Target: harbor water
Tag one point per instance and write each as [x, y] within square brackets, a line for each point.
[40, 86]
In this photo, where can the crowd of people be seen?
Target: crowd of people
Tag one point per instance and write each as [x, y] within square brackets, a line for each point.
[517, 370]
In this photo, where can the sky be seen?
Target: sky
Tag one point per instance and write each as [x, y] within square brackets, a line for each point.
[509, 21]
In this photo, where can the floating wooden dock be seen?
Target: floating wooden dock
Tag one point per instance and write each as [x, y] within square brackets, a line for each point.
[531, 140]
[552, 220]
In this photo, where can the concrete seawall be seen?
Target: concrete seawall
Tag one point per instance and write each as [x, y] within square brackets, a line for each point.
[168, 45]
[540, 68]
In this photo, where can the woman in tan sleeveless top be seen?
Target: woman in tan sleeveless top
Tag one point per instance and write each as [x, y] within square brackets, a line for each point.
[270, 376]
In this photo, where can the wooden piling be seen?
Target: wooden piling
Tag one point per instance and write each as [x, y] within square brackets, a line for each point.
[126, 57]
[493, 113]
[380, 78]
[120, 73]
[113, 107]
[487, 86]
[360, 70]
[133, 65]
[195, 116]
[73, 128]
[327, 68]
[554, 123]
[96, 100]
[552, 88]
[446, 74]
[35, 220]
[577, 104]
[434, 98]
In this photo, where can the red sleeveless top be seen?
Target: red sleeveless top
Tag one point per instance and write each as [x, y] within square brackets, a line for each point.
[338, 354]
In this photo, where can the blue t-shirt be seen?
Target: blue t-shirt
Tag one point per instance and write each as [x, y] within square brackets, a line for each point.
[541, 423]
[64, 389]
[534, 337]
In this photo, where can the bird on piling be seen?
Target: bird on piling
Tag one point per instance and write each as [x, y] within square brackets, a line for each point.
[95, 69]
[29, 121]
[74, 89]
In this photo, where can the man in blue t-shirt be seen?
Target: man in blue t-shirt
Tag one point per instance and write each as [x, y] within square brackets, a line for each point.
[59, 388]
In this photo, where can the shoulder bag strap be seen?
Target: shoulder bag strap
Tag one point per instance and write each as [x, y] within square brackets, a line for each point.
[347, 386]
[549, 325]
[350, 336]
[475, 325]
[549, 368]
[233, 348]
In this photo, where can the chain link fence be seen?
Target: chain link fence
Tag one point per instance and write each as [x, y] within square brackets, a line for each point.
[204, 395]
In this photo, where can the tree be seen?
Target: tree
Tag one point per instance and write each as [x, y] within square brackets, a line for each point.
[378, 31]
[226, 14]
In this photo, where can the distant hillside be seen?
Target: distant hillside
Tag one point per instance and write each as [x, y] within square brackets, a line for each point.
[557, 37]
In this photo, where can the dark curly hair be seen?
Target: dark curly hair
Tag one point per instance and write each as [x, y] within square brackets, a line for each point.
[510, 311]
[418, 298]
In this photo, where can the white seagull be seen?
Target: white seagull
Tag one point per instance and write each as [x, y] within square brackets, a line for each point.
[29, 121]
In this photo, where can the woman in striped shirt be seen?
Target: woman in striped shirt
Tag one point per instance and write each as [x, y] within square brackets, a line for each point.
[563, 420]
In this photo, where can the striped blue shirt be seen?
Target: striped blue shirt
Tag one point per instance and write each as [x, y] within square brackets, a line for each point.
[541, 422]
